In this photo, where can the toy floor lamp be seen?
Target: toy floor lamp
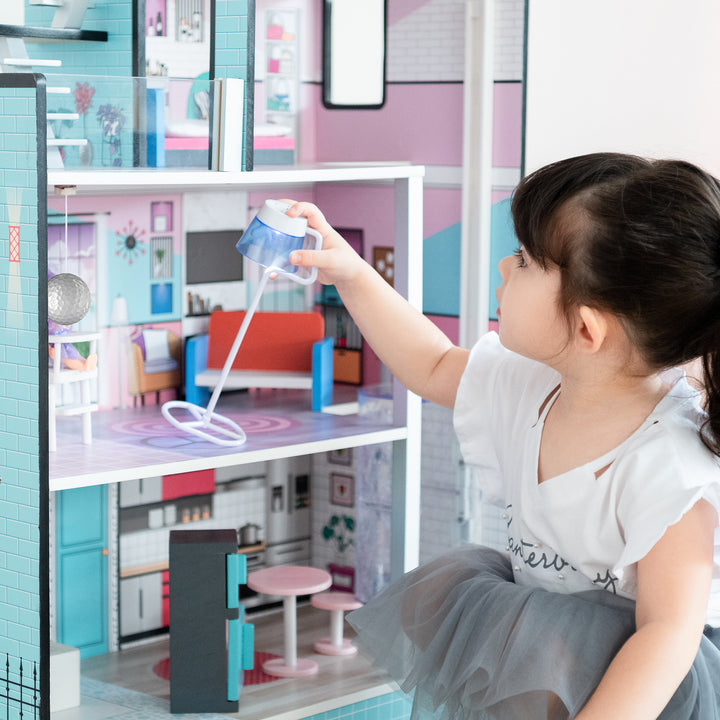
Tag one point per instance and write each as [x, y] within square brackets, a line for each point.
[268, 240]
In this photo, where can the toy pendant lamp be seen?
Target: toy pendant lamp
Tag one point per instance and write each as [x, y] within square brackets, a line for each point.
[68, 295]
[268, 240]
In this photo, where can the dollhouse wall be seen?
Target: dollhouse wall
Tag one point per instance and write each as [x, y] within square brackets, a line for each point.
[113, 57]
[137, 251]
[23, 388]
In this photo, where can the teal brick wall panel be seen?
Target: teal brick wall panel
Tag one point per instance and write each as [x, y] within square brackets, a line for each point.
[235, 57]
[113, 57]
[392, 706]
[20, 428]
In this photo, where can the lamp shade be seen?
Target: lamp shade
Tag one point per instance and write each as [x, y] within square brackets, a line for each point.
[119, 312]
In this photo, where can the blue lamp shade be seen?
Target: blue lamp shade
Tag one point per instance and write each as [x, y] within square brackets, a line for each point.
[161, 299]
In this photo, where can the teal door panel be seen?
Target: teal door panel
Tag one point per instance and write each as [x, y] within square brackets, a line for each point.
[82, 576]
[82, 621]
[82, 519]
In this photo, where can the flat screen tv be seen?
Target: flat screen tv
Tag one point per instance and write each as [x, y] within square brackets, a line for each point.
[210, 256]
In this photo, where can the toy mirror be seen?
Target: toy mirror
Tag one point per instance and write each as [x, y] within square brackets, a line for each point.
[354, 53]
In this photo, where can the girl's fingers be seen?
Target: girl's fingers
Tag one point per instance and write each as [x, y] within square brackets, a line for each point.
[308, 258]
[313, 214]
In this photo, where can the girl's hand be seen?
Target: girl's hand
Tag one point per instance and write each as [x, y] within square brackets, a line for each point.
[337, 262]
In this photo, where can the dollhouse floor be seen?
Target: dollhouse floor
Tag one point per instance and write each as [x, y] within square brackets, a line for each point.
[123, 686]
[139, 442]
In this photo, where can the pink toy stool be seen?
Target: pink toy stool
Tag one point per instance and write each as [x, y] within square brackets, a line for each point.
[336, 603]
[289, 581]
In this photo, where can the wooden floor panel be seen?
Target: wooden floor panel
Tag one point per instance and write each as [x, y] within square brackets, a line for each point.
[344, 677]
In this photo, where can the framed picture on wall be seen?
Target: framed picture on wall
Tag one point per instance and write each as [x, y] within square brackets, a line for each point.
[342, 490]
[161, 260]
[344, 456]
[161, 216]
[384, 263]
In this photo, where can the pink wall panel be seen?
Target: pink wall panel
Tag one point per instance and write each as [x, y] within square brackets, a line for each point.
[120, 209]
[498, 195]
[372, 209]
[420, 123]
[398, 9]
[449, 325]
[507, 124]
[442, 207]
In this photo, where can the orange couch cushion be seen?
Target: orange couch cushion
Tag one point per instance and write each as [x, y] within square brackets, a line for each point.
[275, 341]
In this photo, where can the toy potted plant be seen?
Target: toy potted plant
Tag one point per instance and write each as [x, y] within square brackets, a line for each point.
[112, 121]
[83, 101]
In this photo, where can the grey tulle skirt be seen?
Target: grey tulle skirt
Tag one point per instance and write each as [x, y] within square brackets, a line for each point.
[470, 644]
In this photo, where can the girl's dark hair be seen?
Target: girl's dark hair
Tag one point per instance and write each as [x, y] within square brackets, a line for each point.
[641, 239]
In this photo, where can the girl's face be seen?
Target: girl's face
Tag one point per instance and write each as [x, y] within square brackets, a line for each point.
[529, 316]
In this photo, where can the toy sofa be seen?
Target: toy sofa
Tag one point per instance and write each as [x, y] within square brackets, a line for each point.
[280, 350]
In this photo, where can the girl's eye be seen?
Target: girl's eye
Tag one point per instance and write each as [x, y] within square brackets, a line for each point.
[520, 256]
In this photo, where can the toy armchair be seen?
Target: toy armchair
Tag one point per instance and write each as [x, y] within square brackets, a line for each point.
[155, 358]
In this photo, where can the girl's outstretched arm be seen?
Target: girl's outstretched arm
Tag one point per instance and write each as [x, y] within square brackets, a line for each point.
[412, 347]
[673, 590]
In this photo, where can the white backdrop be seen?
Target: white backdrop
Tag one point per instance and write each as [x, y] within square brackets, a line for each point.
[640, 76]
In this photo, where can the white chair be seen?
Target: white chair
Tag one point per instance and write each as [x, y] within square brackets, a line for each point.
[63, 374]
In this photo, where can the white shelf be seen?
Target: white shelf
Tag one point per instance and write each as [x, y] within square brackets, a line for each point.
[66, 142]
[63, 116]
[140, 180]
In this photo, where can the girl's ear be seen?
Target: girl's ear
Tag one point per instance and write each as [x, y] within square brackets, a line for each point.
[592, 329]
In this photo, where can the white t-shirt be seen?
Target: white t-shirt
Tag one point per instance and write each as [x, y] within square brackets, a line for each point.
[576, 531]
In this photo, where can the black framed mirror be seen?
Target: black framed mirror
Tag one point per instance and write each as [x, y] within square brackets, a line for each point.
[354, 53]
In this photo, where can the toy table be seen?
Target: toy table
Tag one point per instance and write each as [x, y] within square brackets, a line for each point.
[289, 581]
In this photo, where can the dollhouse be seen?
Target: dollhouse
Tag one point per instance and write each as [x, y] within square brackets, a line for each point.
[30, 473]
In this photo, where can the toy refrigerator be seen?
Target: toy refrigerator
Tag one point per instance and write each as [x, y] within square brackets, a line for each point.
[210, 644]
[288, 512]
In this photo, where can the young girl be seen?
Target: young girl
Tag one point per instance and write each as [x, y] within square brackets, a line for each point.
[585, 430]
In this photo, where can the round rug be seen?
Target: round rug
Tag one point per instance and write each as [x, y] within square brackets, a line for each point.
[256, 676]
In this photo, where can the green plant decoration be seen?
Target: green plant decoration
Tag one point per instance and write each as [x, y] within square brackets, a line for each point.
[339, 530]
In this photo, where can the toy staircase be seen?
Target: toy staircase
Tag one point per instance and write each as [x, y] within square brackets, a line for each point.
[69, 14]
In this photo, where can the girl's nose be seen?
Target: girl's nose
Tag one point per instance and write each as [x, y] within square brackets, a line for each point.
[503, 266]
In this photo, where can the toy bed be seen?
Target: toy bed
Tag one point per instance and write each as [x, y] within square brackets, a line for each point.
[187, 130]
[187, 144]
